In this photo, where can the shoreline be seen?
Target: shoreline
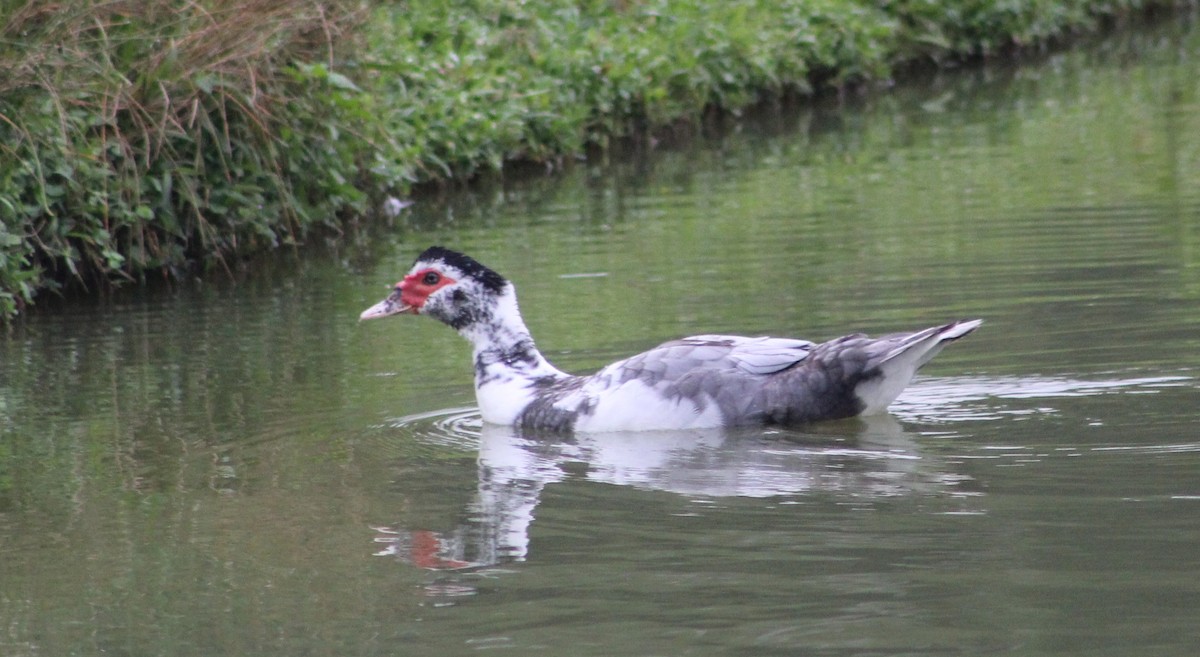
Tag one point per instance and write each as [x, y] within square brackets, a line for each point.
[191, 166]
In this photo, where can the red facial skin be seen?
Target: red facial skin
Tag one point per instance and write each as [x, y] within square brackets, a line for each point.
[414, 289]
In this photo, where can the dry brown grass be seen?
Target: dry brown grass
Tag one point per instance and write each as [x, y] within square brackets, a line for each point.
[144, 65]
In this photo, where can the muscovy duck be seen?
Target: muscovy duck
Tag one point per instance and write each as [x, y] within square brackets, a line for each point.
[703, 381]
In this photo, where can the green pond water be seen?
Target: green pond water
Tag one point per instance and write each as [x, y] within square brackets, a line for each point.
[241, 468]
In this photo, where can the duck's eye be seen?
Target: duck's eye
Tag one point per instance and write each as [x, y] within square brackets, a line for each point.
[431, 278]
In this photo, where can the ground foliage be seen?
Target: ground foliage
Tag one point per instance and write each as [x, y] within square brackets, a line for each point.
[149, 138]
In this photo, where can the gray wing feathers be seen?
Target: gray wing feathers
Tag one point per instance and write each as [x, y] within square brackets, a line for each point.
[771, 380]
[758, 356]
[705, 369]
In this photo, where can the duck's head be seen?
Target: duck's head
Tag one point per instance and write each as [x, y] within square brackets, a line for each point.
[447, 285]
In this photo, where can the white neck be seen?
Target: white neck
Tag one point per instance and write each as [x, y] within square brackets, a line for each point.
[507, 362]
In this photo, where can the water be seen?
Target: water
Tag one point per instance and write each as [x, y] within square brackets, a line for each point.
[240, 468]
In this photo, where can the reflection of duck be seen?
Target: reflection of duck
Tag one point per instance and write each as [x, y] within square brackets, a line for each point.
[704, 381]
[871, 459]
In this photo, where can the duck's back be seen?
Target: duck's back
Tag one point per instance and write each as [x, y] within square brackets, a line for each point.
[701, 381]
[717, 380]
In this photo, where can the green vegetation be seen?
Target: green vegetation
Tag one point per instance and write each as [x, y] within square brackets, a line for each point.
[141, 139]
[137, 138]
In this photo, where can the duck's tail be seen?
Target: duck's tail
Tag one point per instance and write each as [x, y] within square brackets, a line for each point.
[899, 358]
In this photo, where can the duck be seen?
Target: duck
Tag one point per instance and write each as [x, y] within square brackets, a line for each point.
[696, 382]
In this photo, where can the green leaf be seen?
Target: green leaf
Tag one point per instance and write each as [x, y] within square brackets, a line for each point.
[342, 82]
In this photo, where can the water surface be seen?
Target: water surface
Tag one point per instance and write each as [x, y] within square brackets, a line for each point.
[224, 468]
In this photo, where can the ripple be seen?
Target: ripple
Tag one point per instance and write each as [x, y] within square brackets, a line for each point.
[964, 399]
[1185, 448]
[458, 428]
